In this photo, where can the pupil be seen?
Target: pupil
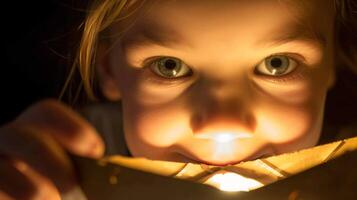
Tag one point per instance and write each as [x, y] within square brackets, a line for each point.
[170, 64]
[276, 62]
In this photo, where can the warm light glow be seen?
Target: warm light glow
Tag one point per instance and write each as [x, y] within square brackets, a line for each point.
[224, 137]
[232, 182]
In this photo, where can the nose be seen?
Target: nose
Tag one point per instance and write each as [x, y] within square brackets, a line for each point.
[223, 129]
[222, 110]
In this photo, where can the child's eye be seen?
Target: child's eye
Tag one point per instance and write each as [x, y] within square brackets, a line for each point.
[276, 65]
[169, 67]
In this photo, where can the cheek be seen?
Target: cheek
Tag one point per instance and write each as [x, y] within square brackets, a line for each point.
[291, 126]
[141, 86]
[154, 116]
[154, 128]
[291, 115]
[286, 124]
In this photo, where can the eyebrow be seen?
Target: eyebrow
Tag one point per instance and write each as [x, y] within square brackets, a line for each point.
[150, 34]
[296, 33]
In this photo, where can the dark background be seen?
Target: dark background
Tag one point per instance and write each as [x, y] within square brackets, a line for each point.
[39, 38]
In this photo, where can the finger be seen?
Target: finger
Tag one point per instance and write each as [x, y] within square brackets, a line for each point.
[12, 181]
[18, 181]
[4, 196]
[40, 152]
[45, 189]
[68, 128]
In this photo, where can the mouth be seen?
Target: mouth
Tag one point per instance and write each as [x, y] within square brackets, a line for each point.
[210, 152]
[189, 157]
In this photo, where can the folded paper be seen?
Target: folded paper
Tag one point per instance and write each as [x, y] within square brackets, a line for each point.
[244, 176]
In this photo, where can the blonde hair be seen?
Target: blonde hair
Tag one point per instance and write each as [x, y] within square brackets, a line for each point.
[103, 13]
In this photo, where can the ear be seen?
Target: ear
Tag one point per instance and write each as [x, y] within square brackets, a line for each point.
[107, 82]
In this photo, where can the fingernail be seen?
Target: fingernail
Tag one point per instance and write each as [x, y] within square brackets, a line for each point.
[96, 150]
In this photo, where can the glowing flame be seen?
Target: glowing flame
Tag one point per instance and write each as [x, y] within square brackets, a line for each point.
[232, 182]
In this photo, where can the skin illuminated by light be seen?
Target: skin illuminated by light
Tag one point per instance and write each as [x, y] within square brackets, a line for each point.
[222, 42]
[223, 137]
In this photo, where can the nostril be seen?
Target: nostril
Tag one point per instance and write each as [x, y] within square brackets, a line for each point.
[221, 128]
[196, 122]
[201, 122]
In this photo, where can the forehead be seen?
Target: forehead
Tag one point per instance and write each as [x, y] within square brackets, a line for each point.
[194, 22]
[224, 8]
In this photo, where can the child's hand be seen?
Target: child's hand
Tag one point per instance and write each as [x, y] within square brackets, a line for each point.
[33, 163]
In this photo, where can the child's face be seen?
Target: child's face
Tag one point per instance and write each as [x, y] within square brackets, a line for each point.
[223, 81]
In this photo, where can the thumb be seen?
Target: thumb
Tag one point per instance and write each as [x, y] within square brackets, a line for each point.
[67, 127]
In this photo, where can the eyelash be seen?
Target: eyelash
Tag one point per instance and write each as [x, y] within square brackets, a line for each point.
[153, 77]
[296, 74]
